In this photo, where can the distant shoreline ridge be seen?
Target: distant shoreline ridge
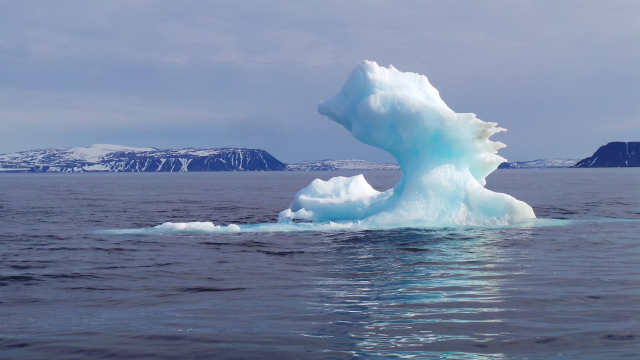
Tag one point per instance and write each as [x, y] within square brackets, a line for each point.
[117, 158]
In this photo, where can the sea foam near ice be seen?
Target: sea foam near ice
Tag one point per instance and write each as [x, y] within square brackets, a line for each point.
[444, 156]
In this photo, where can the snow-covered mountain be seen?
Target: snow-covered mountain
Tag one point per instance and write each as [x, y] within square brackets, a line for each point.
[539, 164]
[334, 165]
[115, 158]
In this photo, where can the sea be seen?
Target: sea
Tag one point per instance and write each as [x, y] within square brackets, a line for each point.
[563, 289]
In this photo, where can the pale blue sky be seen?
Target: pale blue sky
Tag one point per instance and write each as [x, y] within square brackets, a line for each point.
[562, 76]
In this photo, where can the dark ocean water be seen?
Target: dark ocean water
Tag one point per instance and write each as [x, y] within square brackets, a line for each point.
[570, 291]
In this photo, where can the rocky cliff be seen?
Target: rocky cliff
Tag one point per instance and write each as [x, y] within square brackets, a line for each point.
[614, 154]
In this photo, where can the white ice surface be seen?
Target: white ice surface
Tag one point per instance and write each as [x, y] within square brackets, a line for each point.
[95, 152]
[444, 156]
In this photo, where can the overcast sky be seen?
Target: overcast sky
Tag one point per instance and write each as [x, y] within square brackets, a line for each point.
[562, 76]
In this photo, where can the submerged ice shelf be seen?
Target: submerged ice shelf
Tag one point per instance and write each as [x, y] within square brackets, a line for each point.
[444, 156]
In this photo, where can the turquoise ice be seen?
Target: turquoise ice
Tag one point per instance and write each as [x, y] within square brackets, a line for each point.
[444, 156]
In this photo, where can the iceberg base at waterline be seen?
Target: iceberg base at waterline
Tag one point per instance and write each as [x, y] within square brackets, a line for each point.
[444, 196]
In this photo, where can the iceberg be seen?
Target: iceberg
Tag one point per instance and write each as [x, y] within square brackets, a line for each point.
[444, 157]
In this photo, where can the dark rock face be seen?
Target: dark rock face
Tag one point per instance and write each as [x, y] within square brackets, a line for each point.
[226, 159]
[251, 160]
[614, 154]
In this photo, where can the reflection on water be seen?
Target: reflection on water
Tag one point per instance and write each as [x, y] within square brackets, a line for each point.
[400, 293]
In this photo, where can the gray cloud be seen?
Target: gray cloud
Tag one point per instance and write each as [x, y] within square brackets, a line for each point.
[562, 76]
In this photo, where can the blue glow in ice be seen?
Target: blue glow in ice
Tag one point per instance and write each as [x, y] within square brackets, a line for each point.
[445, 157]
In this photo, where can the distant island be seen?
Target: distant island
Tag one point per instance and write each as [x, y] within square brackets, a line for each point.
[335, 165]
[539, 164]
[116, 158]
[614, 154]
